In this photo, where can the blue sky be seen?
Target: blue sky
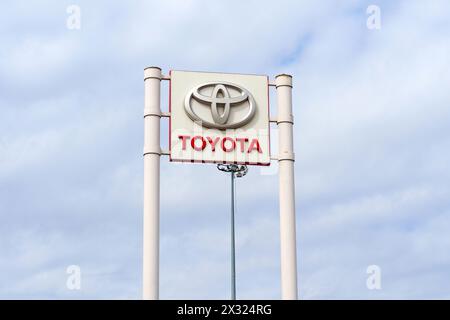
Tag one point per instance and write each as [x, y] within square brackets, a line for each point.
[372, 142]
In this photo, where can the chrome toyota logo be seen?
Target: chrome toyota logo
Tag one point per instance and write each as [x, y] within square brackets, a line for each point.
[220, 97]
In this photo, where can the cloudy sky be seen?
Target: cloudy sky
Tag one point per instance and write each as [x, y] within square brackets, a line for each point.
[372, 142]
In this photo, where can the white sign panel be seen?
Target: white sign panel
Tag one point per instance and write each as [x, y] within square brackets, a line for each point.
[219, 118]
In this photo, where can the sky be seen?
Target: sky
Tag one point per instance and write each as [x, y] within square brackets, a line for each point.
[372, 143]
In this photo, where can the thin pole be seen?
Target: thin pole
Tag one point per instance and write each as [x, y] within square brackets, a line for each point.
[286, 188]
[233, 259]
[152, 154]
[236, 172]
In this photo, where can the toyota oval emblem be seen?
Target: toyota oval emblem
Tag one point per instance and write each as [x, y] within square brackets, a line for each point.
[220, 98]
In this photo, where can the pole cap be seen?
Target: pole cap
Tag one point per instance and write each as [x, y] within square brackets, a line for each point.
[283, 80]
[152, 73]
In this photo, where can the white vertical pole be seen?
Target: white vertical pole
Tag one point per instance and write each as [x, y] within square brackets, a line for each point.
[152, 153]
[286, 160]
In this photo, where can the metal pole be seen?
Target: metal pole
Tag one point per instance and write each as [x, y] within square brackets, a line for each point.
[233, 258]
[152, 153]
[237, 171]
[286, 188]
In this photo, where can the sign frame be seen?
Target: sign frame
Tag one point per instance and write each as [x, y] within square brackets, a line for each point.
[252, 163]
